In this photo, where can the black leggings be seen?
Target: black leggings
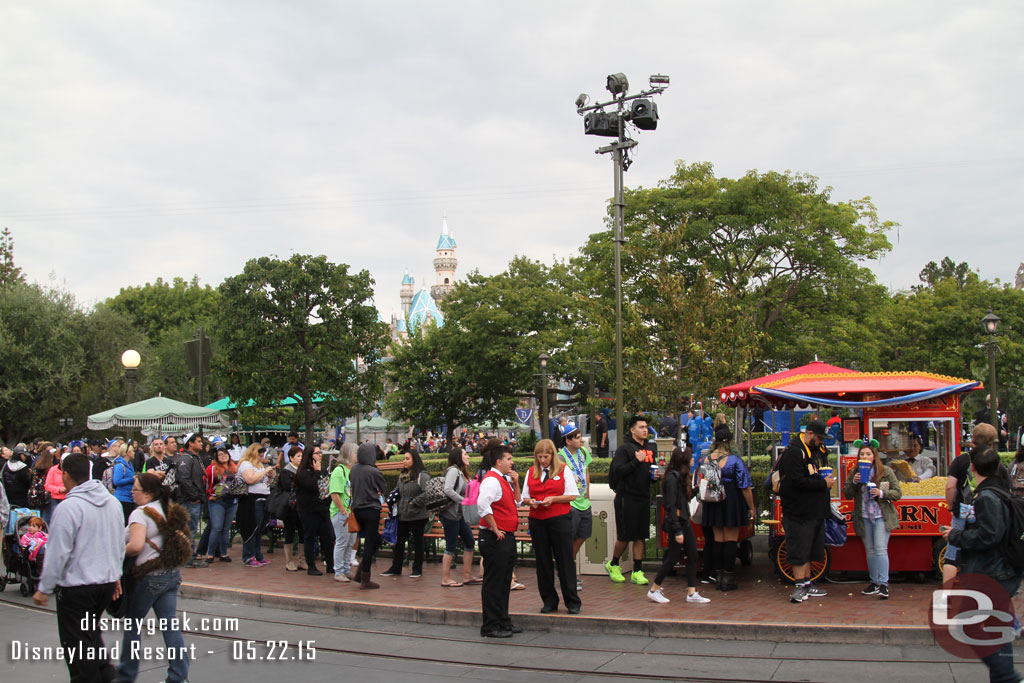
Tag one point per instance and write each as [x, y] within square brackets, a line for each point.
[316, 525]
[672, 556]
[369, 522]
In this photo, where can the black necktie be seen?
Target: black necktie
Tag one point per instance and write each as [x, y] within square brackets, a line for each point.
[544, 475]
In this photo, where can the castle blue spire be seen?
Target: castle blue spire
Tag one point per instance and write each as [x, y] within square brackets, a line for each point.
[446, 241]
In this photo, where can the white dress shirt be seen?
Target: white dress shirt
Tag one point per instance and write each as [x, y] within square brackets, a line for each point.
[490, 491]
[571, 489]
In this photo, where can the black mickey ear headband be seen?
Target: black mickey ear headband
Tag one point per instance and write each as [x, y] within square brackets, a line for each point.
[864, 442]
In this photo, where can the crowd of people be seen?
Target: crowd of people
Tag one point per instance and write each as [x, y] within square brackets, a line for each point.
[130, 498]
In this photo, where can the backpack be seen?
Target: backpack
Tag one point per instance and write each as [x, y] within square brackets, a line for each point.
[108, 479]
[470, 512]
[38, 496]
[711, 488]
[433, 498]
[1013, 549]
[177, 549]
[1017, 479]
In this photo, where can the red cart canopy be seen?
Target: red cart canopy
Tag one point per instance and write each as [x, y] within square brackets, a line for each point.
[739, 394]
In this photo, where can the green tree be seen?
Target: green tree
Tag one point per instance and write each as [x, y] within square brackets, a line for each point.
[726, 277]
[302, 327]
[9, 273]
[168, 314]
[497, 327]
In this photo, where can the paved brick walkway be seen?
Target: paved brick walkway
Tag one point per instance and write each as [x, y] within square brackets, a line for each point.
[759, 609]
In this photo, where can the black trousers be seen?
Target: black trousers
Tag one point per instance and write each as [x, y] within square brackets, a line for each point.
[552, 540]
[499, 562]
[316, 525]
[76, 604]
[369, 529]
[414, 529]
[672, 556]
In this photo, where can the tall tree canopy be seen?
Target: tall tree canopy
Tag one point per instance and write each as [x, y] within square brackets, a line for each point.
[298, 327]
[723, 277]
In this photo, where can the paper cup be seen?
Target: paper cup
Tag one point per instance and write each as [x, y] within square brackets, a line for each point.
[825, 472]
[865, 470]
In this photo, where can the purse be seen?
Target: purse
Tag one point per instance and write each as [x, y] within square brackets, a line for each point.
[324, 487]
[696, 511]
[353, 523]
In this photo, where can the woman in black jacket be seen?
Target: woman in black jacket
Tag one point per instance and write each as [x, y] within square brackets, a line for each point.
[313, 510]
[17, 477]
[676, 492]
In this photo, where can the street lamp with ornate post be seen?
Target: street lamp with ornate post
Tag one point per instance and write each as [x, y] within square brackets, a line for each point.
[545, 427]
[130, 359]
[991, 324]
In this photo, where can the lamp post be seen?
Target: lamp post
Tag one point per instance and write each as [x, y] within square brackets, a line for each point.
[991, 324]
[643, 113]
[545, 428]
[130, 359]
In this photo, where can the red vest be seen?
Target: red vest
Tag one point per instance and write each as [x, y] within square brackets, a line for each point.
[551, 487]
[504, 509]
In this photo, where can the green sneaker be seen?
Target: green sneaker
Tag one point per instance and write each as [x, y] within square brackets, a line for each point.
[614, 572]
[638, 578]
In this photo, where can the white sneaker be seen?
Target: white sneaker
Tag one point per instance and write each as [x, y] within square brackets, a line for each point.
[579, 585]
[697, 597]
[341, 578]
[657, 596]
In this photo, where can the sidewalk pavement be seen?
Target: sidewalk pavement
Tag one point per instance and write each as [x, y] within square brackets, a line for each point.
[759, 610]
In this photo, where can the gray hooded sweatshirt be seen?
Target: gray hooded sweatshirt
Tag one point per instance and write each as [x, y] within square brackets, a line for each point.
[367, 482]
[86, 544]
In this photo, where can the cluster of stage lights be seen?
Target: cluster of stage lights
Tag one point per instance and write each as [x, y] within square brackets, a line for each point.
[642, 111]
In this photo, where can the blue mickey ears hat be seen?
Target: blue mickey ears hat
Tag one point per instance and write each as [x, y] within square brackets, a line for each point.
[569, 428]
[863, 441]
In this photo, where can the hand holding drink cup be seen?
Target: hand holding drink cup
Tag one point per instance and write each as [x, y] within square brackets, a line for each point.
[873, 490]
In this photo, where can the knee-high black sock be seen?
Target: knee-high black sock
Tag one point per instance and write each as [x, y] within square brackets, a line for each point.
[638, 564]
[716, 556]
[729, 555]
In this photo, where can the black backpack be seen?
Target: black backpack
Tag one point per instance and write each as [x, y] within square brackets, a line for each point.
[433, 497]
[1013, 549]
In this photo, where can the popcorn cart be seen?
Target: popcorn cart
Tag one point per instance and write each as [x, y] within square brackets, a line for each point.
[904, 412]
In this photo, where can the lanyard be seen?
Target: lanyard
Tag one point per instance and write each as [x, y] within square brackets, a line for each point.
[577, 469]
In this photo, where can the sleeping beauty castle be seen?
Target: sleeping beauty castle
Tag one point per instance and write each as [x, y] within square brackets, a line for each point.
[421, 307]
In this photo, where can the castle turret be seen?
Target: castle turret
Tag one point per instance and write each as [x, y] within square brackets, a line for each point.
[406, 293]
[444, 264]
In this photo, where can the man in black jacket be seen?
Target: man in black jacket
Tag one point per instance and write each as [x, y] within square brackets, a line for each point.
[630, 477]
[981, 542]
[191, 488]
[805, 505]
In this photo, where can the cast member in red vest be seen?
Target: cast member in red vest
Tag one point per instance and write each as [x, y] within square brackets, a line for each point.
[548, 491]
[497, 503]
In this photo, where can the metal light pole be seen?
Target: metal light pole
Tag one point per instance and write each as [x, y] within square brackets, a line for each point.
[130, 359]
[644, 114]
[991, 324]
[545, 426]
[592, 393]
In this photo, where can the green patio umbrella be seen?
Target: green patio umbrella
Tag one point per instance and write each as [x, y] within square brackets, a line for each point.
[157, 411]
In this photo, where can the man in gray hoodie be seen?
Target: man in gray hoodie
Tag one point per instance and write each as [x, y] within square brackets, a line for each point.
[83, 566]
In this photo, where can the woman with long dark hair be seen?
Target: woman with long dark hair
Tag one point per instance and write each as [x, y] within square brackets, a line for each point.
[412, 515]
[292, 524]
[874, 514]
[158, 589]
[676, 492]
[313, 510]
[222, 508]
[456, 483]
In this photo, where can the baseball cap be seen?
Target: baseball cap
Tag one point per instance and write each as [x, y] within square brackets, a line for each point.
[817, 427]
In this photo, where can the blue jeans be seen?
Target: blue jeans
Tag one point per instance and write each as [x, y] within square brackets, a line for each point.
[343, 542]
[157, 591]
[222, 513]
[876, 544]
[251, 547]
[1000, 663]
[454, 529]
[195, 511]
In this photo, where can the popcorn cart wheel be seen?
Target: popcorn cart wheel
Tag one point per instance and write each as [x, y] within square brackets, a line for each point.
[939, 555]
[746, 553]
[785, 570]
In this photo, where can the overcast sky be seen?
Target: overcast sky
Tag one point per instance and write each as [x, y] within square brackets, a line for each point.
[145, 139]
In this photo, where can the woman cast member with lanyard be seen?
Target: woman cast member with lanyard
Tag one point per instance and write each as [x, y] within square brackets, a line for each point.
[548, 491]
[578, 459]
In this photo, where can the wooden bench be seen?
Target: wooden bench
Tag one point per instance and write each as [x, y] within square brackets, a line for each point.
[385, 466]
[435, 533]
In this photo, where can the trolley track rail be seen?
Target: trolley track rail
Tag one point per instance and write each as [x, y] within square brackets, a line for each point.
[440, 638]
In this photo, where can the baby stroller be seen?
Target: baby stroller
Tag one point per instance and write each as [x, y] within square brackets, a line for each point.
[18, 567]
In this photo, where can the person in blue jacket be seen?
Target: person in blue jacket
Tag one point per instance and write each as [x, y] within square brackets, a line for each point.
[123, 479]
